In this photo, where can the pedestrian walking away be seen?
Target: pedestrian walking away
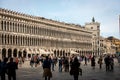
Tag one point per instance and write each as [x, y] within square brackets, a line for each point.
[47, 69]
[3, 68]
[93, 62]
[75, 68]
[11, 69]
[100, 62]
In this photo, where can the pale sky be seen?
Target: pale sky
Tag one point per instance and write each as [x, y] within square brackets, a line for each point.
[106, 12]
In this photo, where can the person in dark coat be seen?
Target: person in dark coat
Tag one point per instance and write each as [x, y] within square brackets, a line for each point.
[75, 68]
[47, 69]
[60, 64]
[93, 62]
[11, 69]
[107, 63]
[111, 63]
[3, 68]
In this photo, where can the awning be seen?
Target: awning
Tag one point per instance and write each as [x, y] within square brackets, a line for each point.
[42, 51]
[37, 51]
[50, 51]
[73, 52]
[104, 53]
[29, 51]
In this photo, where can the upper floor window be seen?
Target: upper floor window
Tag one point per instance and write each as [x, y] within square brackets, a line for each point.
[98, 27]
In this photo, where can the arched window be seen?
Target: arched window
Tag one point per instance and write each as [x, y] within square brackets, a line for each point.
[14, 40]
[2, 39]
[5, 39]
[8, 39]
[13, 27]
[3, 53]
[15, 53]
[2, 25]
[5, 25]
[8, 26]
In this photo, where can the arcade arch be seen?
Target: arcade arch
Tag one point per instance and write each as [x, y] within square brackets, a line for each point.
[15, 52]
[3, 53]
[9, 53]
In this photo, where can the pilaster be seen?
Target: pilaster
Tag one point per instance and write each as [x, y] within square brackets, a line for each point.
[0, 22]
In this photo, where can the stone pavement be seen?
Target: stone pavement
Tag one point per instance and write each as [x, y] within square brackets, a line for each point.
[35, 73]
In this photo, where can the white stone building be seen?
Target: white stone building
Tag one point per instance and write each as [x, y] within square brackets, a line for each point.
[22, 35]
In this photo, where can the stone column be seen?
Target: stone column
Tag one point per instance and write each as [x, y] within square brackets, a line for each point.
[1, 54]
[3, 25]
[8, 26]
[0, 38]
[0, 22]
[58, 54]
[12, 40]
[6, 52]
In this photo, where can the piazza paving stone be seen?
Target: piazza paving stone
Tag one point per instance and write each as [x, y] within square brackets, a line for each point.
[35, 73]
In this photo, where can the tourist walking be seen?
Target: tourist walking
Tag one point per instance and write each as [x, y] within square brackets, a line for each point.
[60, 64]
[53, 63]
[119, 59]
[32, 61]
[111, 63]
[85, 59]
[20, 62]
[100, 62]
[107, 63]
[47, 69]
[66, 64]
[3, 68]
[75, 68]
[16, 60]
[93, 62]
[11, 69]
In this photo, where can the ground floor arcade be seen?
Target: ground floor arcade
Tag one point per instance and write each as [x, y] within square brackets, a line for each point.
[27, 52]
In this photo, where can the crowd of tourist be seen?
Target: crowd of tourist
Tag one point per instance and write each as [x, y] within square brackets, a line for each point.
[65, 64]
[72, 64]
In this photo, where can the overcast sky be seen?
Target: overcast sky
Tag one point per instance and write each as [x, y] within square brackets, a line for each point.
[106, 12]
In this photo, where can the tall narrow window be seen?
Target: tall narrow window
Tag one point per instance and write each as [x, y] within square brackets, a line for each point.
[2, 25]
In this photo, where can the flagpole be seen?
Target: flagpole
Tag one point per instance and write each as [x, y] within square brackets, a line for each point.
[119, 26]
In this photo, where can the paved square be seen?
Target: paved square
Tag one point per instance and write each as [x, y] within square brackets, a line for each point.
[35, 73]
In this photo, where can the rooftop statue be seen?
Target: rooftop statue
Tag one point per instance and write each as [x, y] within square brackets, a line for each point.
[93, 20]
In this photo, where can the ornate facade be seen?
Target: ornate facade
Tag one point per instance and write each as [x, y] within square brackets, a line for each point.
[22, 35]
[95, 27]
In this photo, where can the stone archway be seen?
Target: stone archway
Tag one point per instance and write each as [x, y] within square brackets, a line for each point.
[9, 53]
[58, 53]
[3, 53]
[24, 54]
[61, 52]
[55, 53]
[29, 56]
[68, 53]
[19, 54]
[15, 53]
